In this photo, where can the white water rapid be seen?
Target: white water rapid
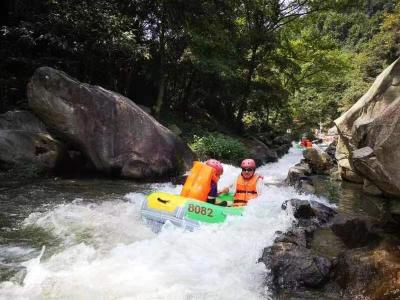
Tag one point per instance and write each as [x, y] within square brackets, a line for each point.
[106, 251]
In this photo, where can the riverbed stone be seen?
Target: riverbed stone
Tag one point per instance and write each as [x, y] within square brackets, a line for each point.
[320, 162]
[295, 267]
[355, 232]
[297, 173]
[331, 150]
[370, 273]
[118, 137]
[309, 214]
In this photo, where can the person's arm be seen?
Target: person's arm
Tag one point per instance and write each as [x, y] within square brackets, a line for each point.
[231, 188]
[213, 191]
[260, 186]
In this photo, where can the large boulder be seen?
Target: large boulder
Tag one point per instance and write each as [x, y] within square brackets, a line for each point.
[345, 169]
[295, 267]
[116, 135]
[320, 162]
[298, 176]
[25, 142]
[260, 152]
[331, 150]
[370, 133]
[293, 264]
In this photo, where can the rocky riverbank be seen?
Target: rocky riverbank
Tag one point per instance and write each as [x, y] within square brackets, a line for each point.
[365, 266]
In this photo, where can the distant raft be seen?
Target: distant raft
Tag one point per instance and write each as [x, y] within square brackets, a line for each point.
[160, 207]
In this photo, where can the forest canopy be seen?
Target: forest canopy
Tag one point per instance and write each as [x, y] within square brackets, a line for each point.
[253, 64]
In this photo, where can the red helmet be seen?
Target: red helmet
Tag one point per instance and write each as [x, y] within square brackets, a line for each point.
[248, 163]
[213, 163]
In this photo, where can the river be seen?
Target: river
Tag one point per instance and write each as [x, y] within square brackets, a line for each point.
[85, 239]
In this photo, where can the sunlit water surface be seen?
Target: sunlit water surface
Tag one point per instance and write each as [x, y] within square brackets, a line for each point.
[86, 240]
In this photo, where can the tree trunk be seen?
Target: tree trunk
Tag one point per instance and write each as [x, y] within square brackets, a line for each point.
[186, 92]
[161, 88]
[247, 90]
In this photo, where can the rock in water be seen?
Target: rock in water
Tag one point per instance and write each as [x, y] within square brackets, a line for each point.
[113, 132]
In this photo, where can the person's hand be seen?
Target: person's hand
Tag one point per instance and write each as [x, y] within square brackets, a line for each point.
[225, 190]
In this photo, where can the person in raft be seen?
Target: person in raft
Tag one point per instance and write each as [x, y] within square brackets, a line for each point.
[304, 141]
[248, 185]
[219, 169]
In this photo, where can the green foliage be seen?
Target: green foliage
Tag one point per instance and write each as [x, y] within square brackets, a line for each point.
[254, 64]
[218, 146]
[339, 52]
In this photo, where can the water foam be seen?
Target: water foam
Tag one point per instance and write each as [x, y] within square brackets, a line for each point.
[108, 253]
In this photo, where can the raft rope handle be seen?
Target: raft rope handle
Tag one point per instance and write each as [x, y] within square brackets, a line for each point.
[162, 200]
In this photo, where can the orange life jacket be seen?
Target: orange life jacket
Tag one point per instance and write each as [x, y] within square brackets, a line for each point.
[246, 189]
[309, 144]
[198, 184]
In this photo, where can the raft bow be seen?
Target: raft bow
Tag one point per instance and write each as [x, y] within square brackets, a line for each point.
[160, 207]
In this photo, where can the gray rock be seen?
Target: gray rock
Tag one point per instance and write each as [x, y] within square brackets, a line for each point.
[116, 135]
[310, 213]
[370, 273]
[297, 173]
[370, 133]
[371, 189]
[260, 152]
[295, 267]
[355, 232]
[320, 162]
[307, 187]
[24, 141]
[331, 150]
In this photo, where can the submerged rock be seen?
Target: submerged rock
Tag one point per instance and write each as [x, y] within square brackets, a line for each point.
[370, 274]
[116, 135]
[355, 232]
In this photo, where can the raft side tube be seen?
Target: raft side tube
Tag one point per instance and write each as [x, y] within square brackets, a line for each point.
[156, 218]
[160, 207]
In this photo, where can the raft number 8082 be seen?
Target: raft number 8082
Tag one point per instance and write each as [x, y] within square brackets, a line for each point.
[197, 209]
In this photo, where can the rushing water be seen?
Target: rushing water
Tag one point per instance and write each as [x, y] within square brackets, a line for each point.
[84, 239]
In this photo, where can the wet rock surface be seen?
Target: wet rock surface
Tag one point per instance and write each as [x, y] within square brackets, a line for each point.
[370, 273]
[367, 265]
[356, 232]
[319, 162]
[298, 176]
[292, 263]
